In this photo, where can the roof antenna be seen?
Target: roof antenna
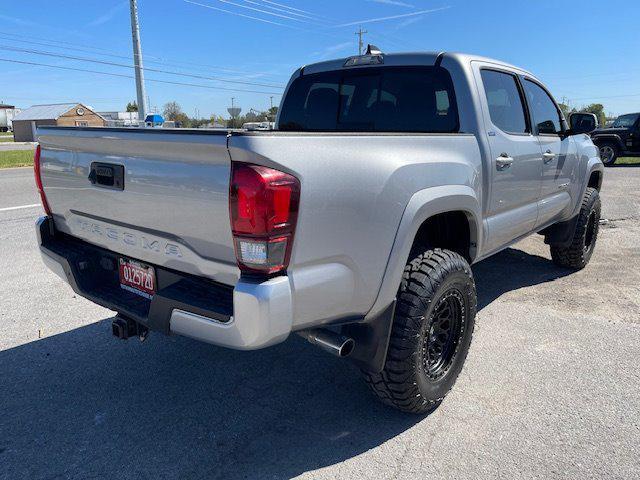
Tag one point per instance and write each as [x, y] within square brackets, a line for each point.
[373, 50]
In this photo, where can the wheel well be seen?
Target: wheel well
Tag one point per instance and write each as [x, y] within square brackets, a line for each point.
[595, 180]
[599, 141]
[448, 230]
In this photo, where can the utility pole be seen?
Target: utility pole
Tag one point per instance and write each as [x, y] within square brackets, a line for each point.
[271, 102]
[360, 32]
[137, 60]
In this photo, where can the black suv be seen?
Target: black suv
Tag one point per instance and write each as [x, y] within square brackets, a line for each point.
[622, 139]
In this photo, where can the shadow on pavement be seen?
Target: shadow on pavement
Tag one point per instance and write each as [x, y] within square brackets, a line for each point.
[84, 405]
[510, 270]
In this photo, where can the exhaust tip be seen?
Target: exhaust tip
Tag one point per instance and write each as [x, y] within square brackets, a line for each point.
[332, 342]
[346, 348]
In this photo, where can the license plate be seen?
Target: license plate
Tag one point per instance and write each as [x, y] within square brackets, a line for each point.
[137, 278]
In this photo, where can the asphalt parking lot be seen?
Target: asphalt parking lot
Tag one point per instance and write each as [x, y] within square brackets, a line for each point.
[551, 388]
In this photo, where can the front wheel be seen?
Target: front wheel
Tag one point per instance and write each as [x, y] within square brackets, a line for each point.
[608, 153]
[578, 253]
[431, 332]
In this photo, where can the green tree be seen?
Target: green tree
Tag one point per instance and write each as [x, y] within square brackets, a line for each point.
[182, 120]
[598, 110]
[172, 112]
[566, 110]
[218, 119]
[132, 106]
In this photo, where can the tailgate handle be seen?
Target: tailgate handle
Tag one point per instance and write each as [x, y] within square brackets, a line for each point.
[107, 175]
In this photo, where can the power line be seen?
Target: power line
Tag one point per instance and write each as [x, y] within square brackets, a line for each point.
[97, 51]
[287, 10]
[605, 97]
[122, 65]
[121, 75]
[287, 17]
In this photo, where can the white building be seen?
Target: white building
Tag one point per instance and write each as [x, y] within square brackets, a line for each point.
[121, 119]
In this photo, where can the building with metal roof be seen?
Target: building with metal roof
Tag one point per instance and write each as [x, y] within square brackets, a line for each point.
[60, 114]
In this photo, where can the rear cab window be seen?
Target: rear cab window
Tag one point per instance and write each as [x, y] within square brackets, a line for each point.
[506, 107]
[374, 99]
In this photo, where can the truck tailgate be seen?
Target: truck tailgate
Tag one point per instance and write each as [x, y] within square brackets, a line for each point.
[173, 210]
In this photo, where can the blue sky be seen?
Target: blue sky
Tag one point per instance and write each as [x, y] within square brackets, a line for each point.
[585, 51]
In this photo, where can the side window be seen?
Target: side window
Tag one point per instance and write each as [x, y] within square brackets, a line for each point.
[505, 104]
[543, 109]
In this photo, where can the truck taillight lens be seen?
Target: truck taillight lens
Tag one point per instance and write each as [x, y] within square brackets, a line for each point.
[36, 171]
[263, 206]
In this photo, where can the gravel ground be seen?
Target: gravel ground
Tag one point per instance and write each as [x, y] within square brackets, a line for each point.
[550, 388]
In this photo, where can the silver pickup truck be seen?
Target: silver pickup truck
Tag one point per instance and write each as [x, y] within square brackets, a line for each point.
[353, 224]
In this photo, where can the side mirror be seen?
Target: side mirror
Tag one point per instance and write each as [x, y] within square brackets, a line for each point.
[582, 123]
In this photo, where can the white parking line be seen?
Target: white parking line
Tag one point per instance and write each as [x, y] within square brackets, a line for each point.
[20, 207]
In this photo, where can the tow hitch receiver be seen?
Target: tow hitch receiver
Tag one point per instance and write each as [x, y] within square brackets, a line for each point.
[125, 328]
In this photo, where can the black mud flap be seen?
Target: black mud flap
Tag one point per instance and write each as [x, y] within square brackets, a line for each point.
[371, 340]
[560, 234]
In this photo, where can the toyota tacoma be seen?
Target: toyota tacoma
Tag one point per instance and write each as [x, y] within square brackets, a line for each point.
[354, 223]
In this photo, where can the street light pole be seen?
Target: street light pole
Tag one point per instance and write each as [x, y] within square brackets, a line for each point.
[137, 60]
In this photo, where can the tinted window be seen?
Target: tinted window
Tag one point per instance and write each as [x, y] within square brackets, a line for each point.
[382, 99]
[625, 121]
[505, 103]
[543, 109]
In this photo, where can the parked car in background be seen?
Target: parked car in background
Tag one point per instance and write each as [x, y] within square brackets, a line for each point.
[154, 120]
[353, 224]
[254, 126]
[7, 112]
[621, 139]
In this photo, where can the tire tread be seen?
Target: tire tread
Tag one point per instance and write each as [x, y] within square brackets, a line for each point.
[573, 256]
[396, 385]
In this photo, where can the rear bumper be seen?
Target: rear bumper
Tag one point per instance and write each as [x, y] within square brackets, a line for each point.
[252, 315]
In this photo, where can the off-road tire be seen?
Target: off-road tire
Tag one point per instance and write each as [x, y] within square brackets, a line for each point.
[578, 254]
[607, 162]
[430, 278]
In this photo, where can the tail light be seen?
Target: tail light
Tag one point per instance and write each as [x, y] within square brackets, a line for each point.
[263, 206]
[36, 171]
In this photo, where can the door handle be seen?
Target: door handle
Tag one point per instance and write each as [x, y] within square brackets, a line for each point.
[503, 162]
[548, 156]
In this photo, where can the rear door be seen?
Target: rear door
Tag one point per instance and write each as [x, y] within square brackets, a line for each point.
[515, 167]
[559, 154]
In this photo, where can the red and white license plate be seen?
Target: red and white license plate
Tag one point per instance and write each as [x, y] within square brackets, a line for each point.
[137, 277]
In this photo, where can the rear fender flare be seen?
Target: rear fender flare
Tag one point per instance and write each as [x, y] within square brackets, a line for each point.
[423, 205]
